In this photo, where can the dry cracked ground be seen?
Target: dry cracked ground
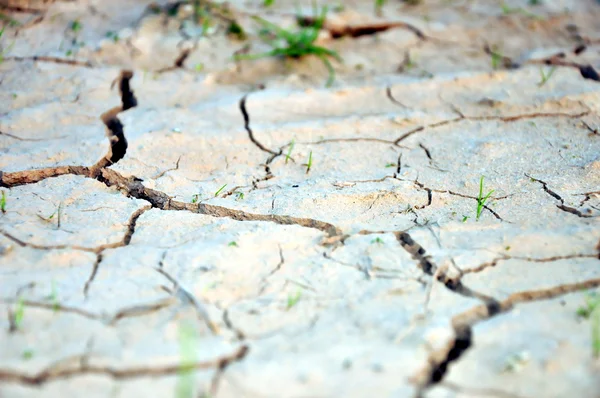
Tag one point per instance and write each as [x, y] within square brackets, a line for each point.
[251, 233]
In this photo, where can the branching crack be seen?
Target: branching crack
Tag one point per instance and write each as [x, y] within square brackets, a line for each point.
[556, 196]
[506, 119]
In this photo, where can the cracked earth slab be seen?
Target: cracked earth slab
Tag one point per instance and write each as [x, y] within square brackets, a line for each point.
[197, 240]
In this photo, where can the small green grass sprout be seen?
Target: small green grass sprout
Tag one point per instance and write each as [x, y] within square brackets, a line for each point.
[481, 200]
[298, 44]
[232, 244]
[378, 6]
[54, 297]
[591, 310]
[19, 313]
[309, 163]
[268, 3]
[220, 190]
[187, 350]
[290, 149]
[76, 26]
[27, 354]
[545, 76]
[195, 198]
[377, 240]
[292, 300]
[3, 202]
[592, 301]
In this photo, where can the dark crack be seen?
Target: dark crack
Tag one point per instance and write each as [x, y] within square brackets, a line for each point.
[556, 196]
[249, 130]
[75, 367]
[463, 323]
[56, 60]
[506, 119]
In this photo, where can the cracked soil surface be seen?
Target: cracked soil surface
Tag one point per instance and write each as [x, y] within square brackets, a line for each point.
[205, 255]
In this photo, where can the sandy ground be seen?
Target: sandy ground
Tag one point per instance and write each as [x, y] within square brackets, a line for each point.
[209, 259]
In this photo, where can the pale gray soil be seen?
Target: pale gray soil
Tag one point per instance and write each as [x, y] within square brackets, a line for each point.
[367, 276]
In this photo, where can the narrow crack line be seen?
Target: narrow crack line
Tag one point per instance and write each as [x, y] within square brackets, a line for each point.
[249, 130]
[353, 139]
[29, 139]
[188, 298]
[587, 196]
[478, 391]
[431, 190]
[239, 334]
[426, 265]
[66, 370]
[131, 224]
[575, 211]
[56, 60]
[277, 268]
[495, 261]
[546, 189]
[507, 119]
[429, 195]
[162, 173]
[426, 150]
[179, 61]
[463, 323]
[95, 267]
[562, 205]
[279, 265]
[132, 187]
[388, 93]
[56, 307]
[140, 310]
[223, 364]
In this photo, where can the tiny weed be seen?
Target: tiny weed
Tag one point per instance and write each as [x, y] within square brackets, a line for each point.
[19, 313]
[591, 309]
[292, 300]
[465, 218]
[377, 240]
[481, 200]
[592, 301]
[507, 248]
[496, 59]
[239, 196]
[236, 30]
[27, 354]
[219, 190]
[3, 202]
[54, 297]
[295, 44]
[390, 165]
[4, 50]
[545, 77]
[516, 362]
[187, 350]
[11, 21]
[309, 163]
[195, 198]
[268, 3]
[76, 26]
[378, 6]
[112, 35]
[199, 67]
[232, 244]
[289, 152]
